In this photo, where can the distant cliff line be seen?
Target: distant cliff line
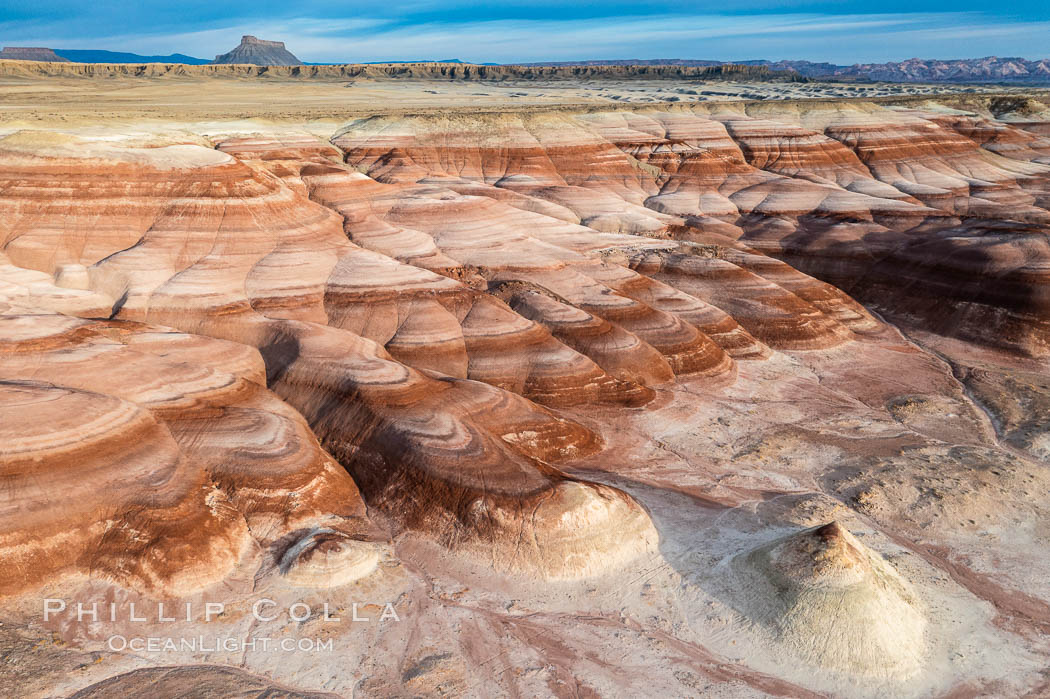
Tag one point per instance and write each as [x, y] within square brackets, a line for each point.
[404, 71]
[992, 69]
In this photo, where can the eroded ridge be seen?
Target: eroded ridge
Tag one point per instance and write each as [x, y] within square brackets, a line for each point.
[445, 440]
[912, 211]
[155, 458]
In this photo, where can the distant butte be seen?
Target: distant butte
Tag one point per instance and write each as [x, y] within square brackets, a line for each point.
[31, 53]
[259, 52]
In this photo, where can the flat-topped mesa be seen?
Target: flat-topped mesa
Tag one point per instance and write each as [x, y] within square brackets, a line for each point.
[31, 53]
[259, 52]
[249, 39]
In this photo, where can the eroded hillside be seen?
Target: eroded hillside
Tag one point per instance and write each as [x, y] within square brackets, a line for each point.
[735, 398]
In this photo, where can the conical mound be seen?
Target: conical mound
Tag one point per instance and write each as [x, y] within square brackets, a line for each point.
[834, 603]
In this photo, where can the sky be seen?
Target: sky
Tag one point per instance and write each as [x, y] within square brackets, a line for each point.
[507, 31]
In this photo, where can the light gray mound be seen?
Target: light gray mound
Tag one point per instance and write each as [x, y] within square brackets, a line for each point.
[834, 603]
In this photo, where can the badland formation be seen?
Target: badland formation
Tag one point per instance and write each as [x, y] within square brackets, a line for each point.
[657, 380]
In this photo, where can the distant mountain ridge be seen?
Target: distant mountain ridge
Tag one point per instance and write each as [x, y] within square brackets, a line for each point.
[987, 69]
[22, 53]
[100, 56]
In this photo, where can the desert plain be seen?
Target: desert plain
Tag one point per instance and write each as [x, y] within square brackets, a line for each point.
[530, 382]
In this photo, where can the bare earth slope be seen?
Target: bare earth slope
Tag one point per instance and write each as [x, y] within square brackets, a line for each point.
[721, 398]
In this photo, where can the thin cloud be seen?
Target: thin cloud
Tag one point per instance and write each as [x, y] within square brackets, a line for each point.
[844, 38]
[980, 31]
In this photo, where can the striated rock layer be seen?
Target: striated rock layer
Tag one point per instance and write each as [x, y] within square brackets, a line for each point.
[214, 359]
[421, 286]
[152, 457]
[445, 439]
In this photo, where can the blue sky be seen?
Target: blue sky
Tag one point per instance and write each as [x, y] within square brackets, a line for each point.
[508, 30]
